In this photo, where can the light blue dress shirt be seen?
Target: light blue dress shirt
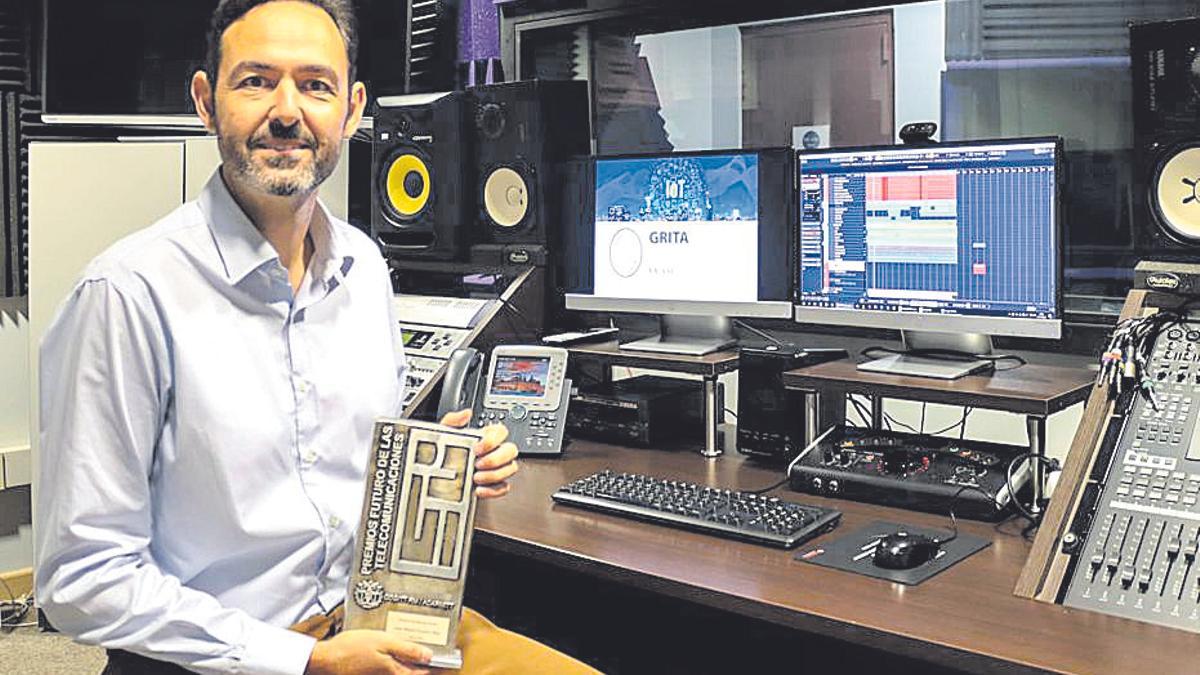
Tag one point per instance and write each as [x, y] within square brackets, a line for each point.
[204, 437]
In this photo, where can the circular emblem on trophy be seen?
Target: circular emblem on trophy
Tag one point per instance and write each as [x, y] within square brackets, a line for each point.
[368, 594]
[625, 252]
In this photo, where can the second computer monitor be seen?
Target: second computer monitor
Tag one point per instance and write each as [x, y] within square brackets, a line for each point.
[952, 238]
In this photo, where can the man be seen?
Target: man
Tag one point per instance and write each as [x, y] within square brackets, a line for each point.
[209, 387]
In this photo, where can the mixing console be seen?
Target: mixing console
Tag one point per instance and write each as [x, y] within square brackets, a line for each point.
[1139, 557]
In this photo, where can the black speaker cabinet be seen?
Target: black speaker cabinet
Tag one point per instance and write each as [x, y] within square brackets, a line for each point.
[422, 202]
[1166, 122]
[523, 131]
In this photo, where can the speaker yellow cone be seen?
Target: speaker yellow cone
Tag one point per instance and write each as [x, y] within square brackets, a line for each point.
[398, 194]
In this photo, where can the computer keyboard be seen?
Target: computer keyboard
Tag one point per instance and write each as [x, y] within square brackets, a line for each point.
[724, 513]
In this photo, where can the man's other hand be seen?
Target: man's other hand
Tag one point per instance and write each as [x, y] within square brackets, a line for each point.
[495, 460]
[368, 651]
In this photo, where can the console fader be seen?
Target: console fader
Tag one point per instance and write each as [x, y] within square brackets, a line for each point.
[1140, 558]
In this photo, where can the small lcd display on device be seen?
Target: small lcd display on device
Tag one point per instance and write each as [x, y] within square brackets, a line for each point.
[520, 376]
[415, 338]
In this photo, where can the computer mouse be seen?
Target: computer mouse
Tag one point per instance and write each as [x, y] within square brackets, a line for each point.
[904, 551]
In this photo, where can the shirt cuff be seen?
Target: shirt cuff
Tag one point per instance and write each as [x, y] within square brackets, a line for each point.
[270, 650]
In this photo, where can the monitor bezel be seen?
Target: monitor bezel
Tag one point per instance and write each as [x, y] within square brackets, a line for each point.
[782, 308]
[910, 321]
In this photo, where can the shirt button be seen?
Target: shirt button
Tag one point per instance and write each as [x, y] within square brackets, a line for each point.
[302, 386]
[335, 522]
[310, 455]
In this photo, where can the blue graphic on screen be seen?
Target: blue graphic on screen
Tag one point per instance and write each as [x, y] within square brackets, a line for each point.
[950, 230]
[691, 188]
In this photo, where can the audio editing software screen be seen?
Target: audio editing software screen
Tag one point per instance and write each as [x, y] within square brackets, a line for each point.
[950, 230]
[677, 228]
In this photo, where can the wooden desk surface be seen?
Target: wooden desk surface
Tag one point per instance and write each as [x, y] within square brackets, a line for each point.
[1032, 389]
[966, 617]
[612, 354]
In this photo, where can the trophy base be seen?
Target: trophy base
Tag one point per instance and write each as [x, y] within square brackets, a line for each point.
[452, 660]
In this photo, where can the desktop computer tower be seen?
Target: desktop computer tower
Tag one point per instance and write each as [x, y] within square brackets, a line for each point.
[770, 418]
[422, 200]
[523, 132]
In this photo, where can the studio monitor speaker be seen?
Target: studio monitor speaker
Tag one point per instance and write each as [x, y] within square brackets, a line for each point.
[422, 202]
[1166, 120]
[523, 131]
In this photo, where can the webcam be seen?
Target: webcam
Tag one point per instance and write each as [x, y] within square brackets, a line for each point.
[918, 133]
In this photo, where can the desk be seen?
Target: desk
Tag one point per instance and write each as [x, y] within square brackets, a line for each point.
[707, 366]
[966, 617]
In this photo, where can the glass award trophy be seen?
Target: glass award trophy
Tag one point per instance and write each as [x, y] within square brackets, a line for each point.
[410, 559]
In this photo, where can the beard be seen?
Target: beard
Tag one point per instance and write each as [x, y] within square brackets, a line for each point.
[278, 175]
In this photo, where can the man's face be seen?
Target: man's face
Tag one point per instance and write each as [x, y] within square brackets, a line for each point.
[281, 103]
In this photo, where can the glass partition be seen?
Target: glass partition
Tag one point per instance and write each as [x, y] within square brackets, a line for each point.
[981, 70]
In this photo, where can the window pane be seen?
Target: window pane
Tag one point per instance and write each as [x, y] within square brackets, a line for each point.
[982, 70]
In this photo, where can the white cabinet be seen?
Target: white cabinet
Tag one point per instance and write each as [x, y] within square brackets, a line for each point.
[85, 196]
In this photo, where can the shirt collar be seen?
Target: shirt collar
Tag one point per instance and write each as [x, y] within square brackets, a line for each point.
[243, 248]
[331, 260]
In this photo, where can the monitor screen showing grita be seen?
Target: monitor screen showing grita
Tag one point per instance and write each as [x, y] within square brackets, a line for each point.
[950, 237]
[665, 225]
[687, 233]
[693, 237]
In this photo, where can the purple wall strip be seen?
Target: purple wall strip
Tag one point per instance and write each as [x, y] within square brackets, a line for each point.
[478, 30]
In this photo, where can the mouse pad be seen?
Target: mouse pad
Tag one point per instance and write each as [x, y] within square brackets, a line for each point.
[853, 552]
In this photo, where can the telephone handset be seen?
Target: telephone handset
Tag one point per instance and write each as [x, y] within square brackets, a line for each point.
[526, 389]
[460, 386]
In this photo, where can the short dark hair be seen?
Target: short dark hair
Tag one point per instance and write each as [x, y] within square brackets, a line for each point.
[228, 11]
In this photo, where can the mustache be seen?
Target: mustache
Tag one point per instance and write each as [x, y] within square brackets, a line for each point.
[277, 130]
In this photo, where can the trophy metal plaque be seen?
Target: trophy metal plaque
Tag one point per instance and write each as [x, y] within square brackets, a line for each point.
[414, 539]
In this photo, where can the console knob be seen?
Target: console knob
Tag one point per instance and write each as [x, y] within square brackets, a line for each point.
[518, 412]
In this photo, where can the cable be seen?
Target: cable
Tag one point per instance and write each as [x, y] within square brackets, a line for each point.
[760, 333]
[892, 420]
[861, 408]
[944, 355]
[961, 424]
[768, 488]
[924, 404]
[954, 500]
[1051, 464]
[1124, 364]
[528, 324]
[13, 611]
[730, 412]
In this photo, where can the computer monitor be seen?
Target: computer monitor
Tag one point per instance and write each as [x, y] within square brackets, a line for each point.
[694, 237]
[950, 243]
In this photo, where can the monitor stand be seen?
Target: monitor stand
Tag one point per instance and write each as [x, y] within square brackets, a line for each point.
[942, 369]
[692, 335]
